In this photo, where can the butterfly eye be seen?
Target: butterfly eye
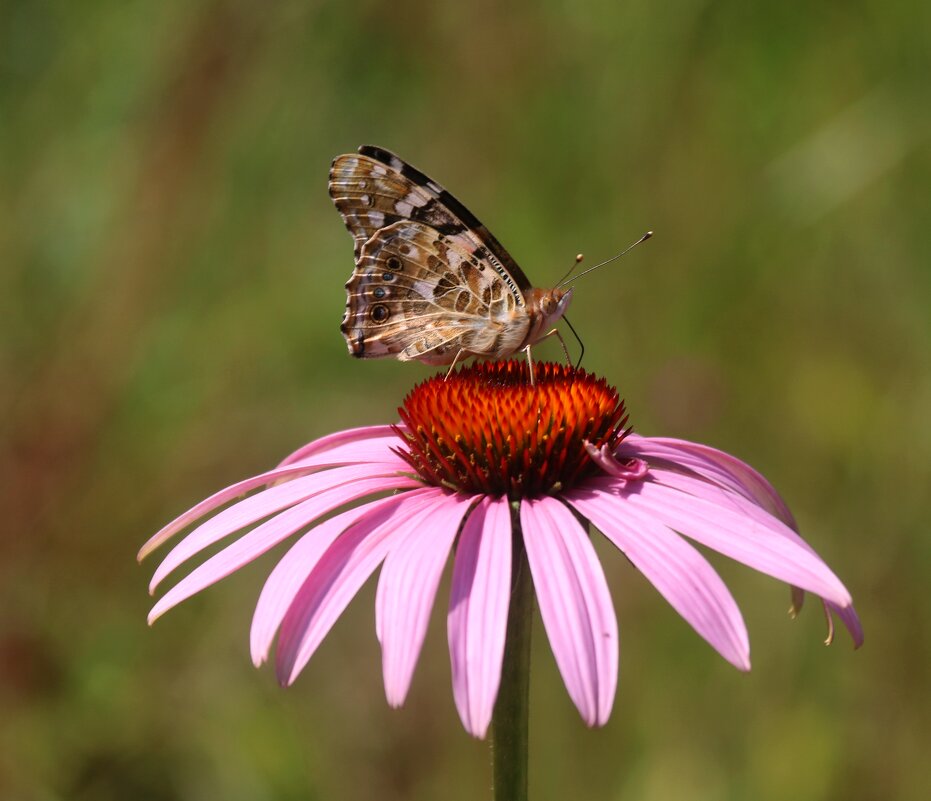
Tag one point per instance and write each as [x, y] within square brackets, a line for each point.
[379, 313]
[394, 263]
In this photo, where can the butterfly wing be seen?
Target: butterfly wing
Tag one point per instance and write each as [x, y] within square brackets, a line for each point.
[420, 294]
[373, 189]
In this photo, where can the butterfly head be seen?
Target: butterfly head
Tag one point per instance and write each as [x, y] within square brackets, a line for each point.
[551, 304]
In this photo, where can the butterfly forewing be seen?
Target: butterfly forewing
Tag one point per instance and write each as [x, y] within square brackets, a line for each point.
[367, 195]
[445, 209]
[375, 188]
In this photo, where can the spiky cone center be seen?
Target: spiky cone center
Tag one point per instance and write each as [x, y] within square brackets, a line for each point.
[486, 429]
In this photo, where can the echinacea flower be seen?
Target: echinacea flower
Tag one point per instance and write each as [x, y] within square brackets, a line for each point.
[486, 466]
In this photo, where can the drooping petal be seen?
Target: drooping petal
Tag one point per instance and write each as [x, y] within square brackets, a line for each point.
[292, 570]
[723, 497]
[338, 576]
[407, 588]
[759, 512]
[722, 525]
[351, 445]
[256, 507]
[575, 605]
[478, 612]
[680, 573]
[848, 616]
[266, 536]
[712, 464]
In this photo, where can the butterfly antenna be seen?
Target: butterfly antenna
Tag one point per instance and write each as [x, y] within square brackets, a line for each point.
[578, 261]
[579, 339]
[643, 238]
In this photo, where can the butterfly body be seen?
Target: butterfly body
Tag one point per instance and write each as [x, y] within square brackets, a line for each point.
[430, 283]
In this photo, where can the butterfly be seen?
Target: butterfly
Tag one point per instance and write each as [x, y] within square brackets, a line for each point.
[430, 283]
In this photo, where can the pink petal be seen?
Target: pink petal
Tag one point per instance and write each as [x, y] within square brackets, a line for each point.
[216, 500]
[407, 588]
[266, 536]
[390, 462]
[765, 543]
[267, 502]
[349, 445]
[675, 568]
[724, 497]
[575, 605]
[478, 612]
[712, 464]
[340, 573]
[296, 565]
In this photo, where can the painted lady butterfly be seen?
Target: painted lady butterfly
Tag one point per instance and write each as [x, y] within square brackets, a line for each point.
[431, 283]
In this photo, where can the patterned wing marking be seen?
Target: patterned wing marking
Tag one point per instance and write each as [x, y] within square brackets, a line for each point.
[416, 294]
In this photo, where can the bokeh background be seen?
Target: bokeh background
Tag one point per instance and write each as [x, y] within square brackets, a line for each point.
[172, 284]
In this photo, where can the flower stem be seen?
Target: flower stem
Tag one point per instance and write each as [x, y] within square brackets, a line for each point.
[509, 724]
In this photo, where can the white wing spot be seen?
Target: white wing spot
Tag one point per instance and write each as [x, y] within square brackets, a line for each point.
[417, 199]
[424, 289]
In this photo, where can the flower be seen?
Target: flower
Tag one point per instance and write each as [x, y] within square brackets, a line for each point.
[482, 464]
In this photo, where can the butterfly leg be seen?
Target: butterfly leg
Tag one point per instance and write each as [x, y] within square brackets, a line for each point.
[450, 371]
[565, 350]
[530, 364]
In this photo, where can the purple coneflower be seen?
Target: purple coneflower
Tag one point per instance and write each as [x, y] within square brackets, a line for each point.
[501, 474]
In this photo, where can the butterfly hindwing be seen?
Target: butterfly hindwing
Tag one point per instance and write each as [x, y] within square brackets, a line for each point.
[420, 294]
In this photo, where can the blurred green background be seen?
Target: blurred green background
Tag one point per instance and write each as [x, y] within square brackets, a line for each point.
[172, 284]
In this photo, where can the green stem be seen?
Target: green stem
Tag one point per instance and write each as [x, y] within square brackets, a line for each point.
[509, 723]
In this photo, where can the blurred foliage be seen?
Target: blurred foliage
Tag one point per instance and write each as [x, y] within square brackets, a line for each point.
[172, 283]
